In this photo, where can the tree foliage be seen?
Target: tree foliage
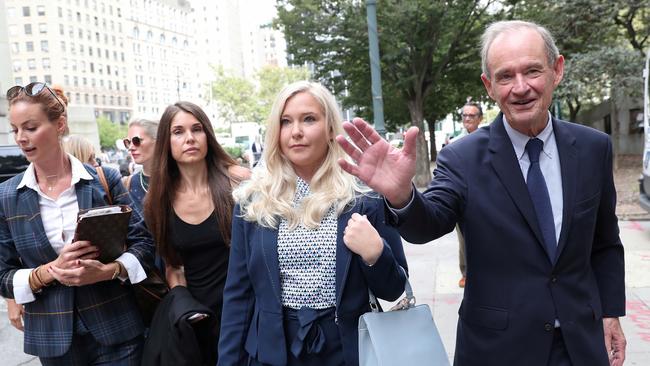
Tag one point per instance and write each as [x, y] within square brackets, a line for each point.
[110, 132]
[242, 100]
[426, 47]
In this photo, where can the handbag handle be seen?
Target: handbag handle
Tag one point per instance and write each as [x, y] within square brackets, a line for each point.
[405, 303]
[104, 182]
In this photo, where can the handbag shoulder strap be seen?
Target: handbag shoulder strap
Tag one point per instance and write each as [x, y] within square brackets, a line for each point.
[407, 302]
[104, 182]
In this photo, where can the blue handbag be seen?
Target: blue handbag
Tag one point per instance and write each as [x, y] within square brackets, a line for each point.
[406, 335]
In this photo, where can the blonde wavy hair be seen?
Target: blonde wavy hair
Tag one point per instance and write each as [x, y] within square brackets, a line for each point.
[268, 195]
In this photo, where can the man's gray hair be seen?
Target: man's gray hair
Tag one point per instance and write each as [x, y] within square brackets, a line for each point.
[498, 28]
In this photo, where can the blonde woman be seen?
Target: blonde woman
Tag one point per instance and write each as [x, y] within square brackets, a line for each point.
[307, 244]
[80, 148]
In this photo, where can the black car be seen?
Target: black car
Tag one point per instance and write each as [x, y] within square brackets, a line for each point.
[12, 161]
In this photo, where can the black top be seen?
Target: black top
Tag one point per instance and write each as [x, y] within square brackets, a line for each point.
[205, 260]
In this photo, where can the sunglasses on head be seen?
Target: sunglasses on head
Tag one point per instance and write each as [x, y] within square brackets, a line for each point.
[136, 141]
[31, 90]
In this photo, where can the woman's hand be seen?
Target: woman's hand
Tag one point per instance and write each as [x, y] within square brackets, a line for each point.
[15, 312]
[84, 272]
[74, 251]
[363, 239]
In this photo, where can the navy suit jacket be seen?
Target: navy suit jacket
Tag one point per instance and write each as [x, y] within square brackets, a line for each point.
[513, 292]
[252, 322]
[107, 308]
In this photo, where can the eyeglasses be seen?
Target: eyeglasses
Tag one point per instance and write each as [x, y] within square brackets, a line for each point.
[31, 90]
[136, 141]
[469, 115]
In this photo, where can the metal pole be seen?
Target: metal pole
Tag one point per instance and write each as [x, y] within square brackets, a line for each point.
[375, 70]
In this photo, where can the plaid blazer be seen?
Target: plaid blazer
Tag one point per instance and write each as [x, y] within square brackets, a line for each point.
[107, 308]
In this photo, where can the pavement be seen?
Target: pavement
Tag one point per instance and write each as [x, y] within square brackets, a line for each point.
[434, 277]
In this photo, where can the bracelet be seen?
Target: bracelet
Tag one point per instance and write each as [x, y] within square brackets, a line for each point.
[30, 279]
[38, 277]
[118, 269]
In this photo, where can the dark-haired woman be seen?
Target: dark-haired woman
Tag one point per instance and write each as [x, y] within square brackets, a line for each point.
[77, 310]
[189, 206]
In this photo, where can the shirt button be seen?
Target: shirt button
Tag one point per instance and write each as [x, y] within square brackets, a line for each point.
[548, 327]
[554, 279]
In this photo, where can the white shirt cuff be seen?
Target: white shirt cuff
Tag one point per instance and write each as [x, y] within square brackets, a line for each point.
[22, 292]
[133, 268]
[397, 212]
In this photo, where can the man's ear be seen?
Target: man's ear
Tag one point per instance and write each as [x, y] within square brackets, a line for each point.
[487, 83]
[558, 68]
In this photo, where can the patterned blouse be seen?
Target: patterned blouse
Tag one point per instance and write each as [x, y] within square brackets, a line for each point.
[307, 259]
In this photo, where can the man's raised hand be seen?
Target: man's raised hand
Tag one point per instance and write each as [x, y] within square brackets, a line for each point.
[386, 169]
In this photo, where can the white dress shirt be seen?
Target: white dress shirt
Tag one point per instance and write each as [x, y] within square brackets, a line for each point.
[59, 217]
[549, 163]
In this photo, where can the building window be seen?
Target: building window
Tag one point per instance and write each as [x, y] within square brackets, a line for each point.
[86, 99]
[15, 47]
[45, 46]
[95, 99]
[31, 63]
[33, 79]
[60, 11]
[40, 10]
[48, 79]
[77, 97]
[61, 29]
[16, 65]
[18, 81]
[11, 13]
[13, 30]
[66, 80]
[29, 46]
[75, 80]
[28, 29]
[42, 28]
[63, 46]
[46, 63]
[26, 11]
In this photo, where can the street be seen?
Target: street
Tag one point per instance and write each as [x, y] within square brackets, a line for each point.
[434, 276]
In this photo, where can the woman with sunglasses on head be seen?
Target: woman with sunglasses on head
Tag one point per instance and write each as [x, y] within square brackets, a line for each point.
[77, 309]
[308, 243]
[188, 209]
[140, 144]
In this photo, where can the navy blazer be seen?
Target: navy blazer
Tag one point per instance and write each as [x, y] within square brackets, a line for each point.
[107, 308]
[252, 322]
[514, 292]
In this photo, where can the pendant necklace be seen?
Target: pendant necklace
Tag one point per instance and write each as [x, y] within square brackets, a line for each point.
[51, 181]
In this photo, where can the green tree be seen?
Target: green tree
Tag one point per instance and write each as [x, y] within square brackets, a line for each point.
[109, 132]
[271, 80]
[423, 45]
[242, 100]
[235, 97]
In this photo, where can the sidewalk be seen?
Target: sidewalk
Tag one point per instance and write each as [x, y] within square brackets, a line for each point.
[434, 277]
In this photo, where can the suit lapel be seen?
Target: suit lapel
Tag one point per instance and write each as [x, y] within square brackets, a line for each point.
[569, 167]
[507, 167]
[84, 192]
[269, 250]
[343, 254]
[28, 206]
